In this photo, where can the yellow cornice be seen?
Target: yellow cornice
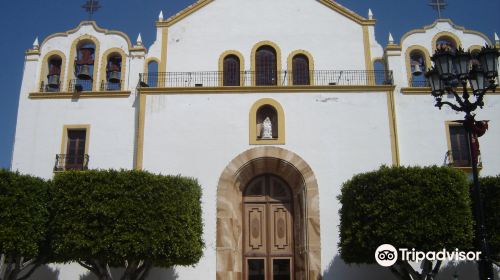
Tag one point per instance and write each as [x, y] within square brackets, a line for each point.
[416, 90]
[73, 95]
[138, 49]
[97, 28]
[456, 27]
[347, 13]
[184, 13]
[393, 47]
[32, 52]
[273, 89]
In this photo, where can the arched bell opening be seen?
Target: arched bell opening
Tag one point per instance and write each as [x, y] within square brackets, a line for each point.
[84, 65]
[114, 72]
[418, 67]
[54, 73]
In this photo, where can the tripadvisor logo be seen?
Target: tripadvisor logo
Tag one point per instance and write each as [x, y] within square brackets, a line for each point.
[387, 255]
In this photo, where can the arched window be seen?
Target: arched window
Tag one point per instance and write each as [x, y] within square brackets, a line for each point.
[267, 122]
[417, 68]
[474, 62]
[380, 72]
[231, 70]
[152, 75]
[300, 70]
[266, 73]
[114, 72]
[446, 43]
[84, 66]
[54, 65]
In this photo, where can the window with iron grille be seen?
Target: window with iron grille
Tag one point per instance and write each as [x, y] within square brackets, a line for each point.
[460, 151]
[231, 70]
[300, 70]
[266, 66]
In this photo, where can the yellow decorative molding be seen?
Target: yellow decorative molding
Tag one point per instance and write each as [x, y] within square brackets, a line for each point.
[32, 52]
[77, 95]
[96, 28]
[393, 47]
[391, 105]
[368, 54]
[456, 27]
[104, 65]
[424, 52]
[184, 13]
[273, 89]
[278, 58]
[252, 126]
[347, 13]
[44, 68]
[162, 66]
[72, 58]
[416, 90]
[474, 48]
[64, 139]
[290, 65]
[448, 35]
[221, 65]
[139, 153]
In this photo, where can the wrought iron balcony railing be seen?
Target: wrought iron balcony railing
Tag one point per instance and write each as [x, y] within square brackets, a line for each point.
[71, 162]
[108, 86]
[50, 88]
[451, 162]
[270, 78]
[80, 85]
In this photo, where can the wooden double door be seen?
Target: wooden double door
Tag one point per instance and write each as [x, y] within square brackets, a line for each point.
[268, 229]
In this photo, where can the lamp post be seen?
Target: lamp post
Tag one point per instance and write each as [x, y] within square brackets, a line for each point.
[452, 71]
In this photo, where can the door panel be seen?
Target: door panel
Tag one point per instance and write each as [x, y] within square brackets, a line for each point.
[255, 229]
[281, 229]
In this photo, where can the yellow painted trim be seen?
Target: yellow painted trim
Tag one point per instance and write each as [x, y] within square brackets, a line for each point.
[393, 47]
[184, 13]
[64, 139]
[474, 48]
[368, 54]
[44, 68]
[253, 140]
[77, 95]
[162, 66]
[427, 58]
[347, 13]
[96, 28]
[278, 59]
[416, 90]
[393, 128]
[72, 57]
[450, 35]
[140, 132]
[456, 27]
[32, 52]
[149, 60]
[273, 89]
[221, 66]
[290, 65]
[448, 142]
[104, 65]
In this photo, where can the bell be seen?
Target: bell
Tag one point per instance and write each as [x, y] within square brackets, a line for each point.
[417, 71]
[53, 81]
[114, 77]
[84, 73]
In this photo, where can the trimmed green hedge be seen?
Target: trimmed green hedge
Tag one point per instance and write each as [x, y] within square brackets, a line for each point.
[24, 214]
[490, 187]
[409, 207]
[113, 216]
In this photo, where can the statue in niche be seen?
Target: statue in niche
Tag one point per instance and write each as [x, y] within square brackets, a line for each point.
[267, 129]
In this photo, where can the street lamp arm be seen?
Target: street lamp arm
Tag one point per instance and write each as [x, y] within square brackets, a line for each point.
[453, 106]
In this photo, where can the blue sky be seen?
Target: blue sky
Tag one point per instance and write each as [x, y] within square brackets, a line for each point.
[22, 21]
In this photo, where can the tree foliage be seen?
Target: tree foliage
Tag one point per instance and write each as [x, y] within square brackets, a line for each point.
[131, 219]
[490, 187]
[428, 209]
[24, 217]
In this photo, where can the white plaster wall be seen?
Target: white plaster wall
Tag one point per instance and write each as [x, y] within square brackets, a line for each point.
[196, 42]
[337, 134]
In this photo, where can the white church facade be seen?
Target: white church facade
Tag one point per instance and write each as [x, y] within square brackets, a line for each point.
[270, 115]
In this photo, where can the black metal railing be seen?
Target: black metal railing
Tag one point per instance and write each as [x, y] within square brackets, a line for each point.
[50, 88]
[109, 86]
[271, 78]
[71, 162]
[451, 162]
[80, 85]
[422, 83]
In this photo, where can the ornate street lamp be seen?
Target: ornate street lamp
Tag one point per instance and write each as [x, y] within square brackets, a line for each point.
[453, 70]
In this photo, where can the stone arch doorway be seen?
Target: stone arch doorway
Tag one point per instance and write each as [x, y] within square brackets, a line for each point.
[295, 173]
